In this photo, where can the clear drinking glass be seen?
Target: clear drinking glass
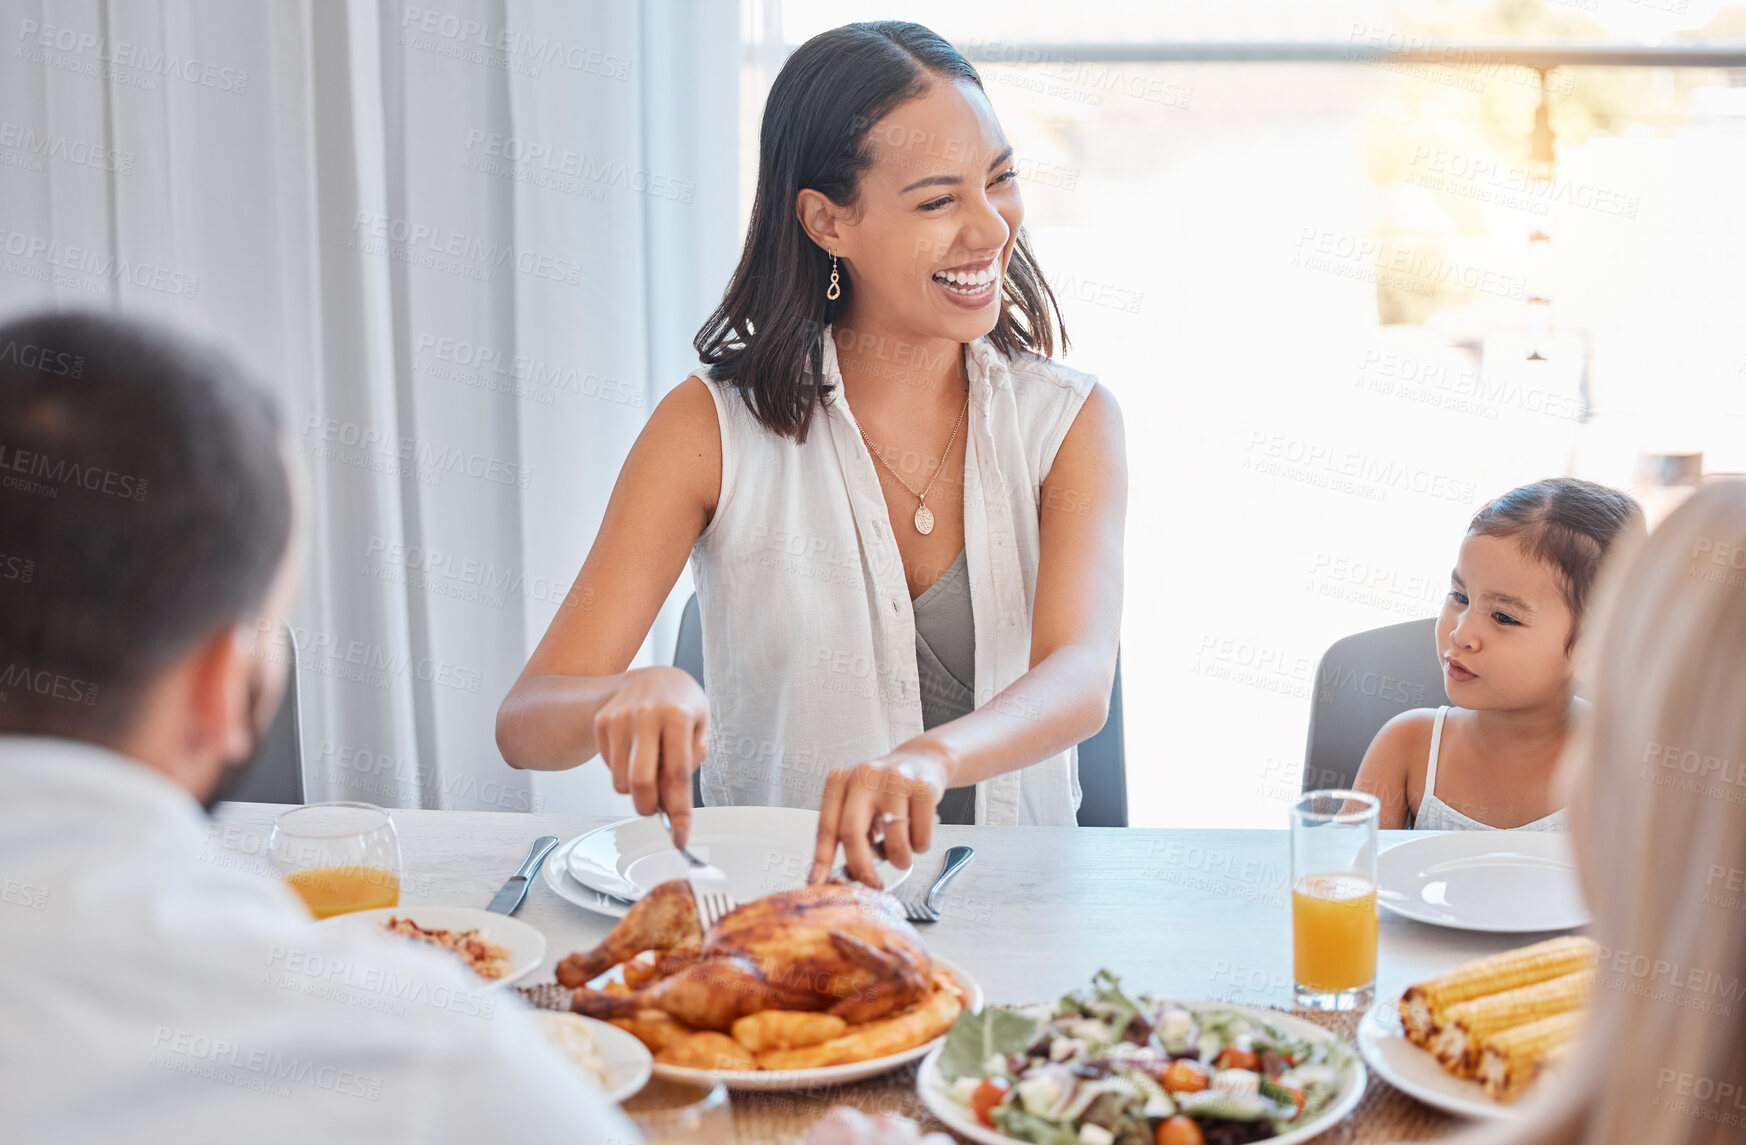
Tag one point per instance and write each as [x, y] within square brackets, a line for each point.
[1333, 898]
[339, 857]
[682, 1113]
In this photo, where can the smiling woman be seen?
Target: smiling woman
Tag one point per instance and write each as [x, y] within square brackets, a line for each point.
[913, 611]
[884, 128]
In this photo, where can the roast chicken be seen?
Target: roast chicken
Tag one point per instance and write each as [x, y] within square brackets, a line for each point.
[839, 947]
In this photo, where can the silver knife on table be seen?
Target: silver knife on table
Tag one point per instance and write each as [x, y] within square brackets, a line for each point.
[507, 899]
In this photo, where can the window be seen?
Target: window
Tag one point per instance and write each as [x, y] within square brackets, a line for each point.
[1340, 311]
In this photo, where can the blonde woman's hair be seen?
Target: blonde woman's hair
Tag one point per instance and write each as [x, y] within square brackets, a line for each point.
[1658, 819]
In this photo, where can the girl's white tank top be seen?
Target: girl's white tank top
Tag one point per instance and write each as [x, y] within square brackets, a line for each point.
[1436, 815]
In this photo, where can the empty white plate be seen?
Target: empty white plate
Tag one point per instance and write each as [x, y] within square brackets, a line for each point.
[1502, 881]
[761, 849]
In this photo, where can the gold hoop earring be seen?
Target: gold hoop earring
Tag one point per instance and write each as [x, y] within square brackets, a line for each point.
[836, 290]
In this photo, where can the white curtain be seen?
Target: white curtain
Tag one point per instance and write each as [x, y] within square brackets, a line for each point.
[468, 242]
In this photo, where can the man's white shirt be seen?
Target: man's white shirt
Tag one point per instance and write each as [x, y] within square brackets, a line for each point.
[154, 987]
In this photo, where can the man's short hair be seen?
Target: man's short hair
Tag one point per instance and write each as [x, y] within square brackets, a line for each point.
[144, 505]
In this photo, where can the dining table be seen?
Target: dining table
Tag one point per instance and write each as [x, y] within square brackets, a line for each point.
[1189, 913]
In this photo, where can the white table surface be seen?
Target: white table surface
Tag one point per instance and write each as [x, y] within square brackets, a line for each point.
[1175, 912]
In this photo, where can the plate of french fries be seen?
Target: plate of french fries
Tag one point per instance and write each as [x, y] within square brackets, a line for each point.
[791, 1049]
[1475, 1040]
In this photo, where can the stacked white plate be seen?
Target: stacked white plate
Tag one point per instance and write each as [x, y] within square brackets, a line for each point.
[761, 849]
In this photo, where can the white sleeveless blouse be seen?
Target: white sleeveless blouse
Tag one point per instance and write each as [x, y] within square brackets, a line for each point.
[809, 654]
[1435, 815]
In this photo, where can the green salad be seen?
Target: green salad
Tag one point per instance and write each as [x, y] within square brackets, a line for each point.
[1102, 1068]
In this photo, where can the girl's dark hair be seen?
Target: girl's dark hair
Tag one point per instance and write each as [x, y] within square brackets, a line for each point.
[766, 338]
[1566, 523]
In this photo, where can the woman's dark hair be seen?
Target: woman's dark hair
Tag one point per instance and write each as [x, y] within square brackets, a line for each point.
[1566, 523]
[766, 339]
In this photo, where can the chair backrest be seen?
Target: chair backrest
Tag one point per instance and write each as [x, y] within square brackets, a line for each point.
[688, 654]
[1103, 774]
[1103, 766]
[1363, 681]
[277, 773]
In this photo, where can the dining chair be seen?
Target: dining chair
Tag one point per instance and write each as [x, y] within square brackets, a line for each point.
[276, 776]
[1363, 681]
[1103, 772]
[1103, 766]
[688, 654]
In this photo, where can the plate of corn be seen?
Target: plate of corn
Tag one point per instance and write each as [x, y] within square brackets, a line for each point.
[1474, 1040]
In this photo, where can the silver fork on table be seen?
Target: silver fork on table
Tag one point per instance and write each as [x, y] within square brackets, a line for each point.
[918, 907]
[709, 884]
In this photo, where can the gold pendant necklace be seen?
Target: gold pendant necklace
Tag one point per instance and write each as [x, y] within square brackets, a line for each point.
[924, 516]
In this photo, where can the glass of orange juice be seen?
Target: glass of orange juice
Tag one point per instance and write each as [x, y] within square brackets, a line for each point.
[339, 857]
[1333, 898]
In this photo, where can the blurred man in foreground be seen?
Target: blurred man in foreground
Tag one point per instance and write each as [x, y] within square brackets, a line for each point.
[150, 537]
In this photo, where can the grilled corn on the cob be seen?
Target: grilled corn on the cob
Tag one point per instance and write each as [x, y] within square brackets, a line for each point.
[1511, 1060]
[1422, 1006]
[1465, 1025]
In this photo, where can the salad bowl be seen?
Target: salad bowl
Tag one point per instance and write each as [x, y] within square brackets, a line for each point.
[1102, 1067]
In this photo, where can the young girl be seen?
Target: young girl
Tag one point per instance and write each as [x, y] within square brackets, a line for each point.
[1505, 636]
[1658, 825]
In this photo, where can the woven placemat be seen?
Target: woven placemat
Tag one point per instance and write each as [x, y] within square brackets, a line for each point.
[1383, 1115]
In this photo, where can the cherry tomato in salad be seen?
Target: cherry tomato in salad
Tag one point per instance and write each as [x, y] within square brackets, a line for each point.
[1184, 1076]
[1179, 1130]
[1233, 1058]
[989, 1094]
